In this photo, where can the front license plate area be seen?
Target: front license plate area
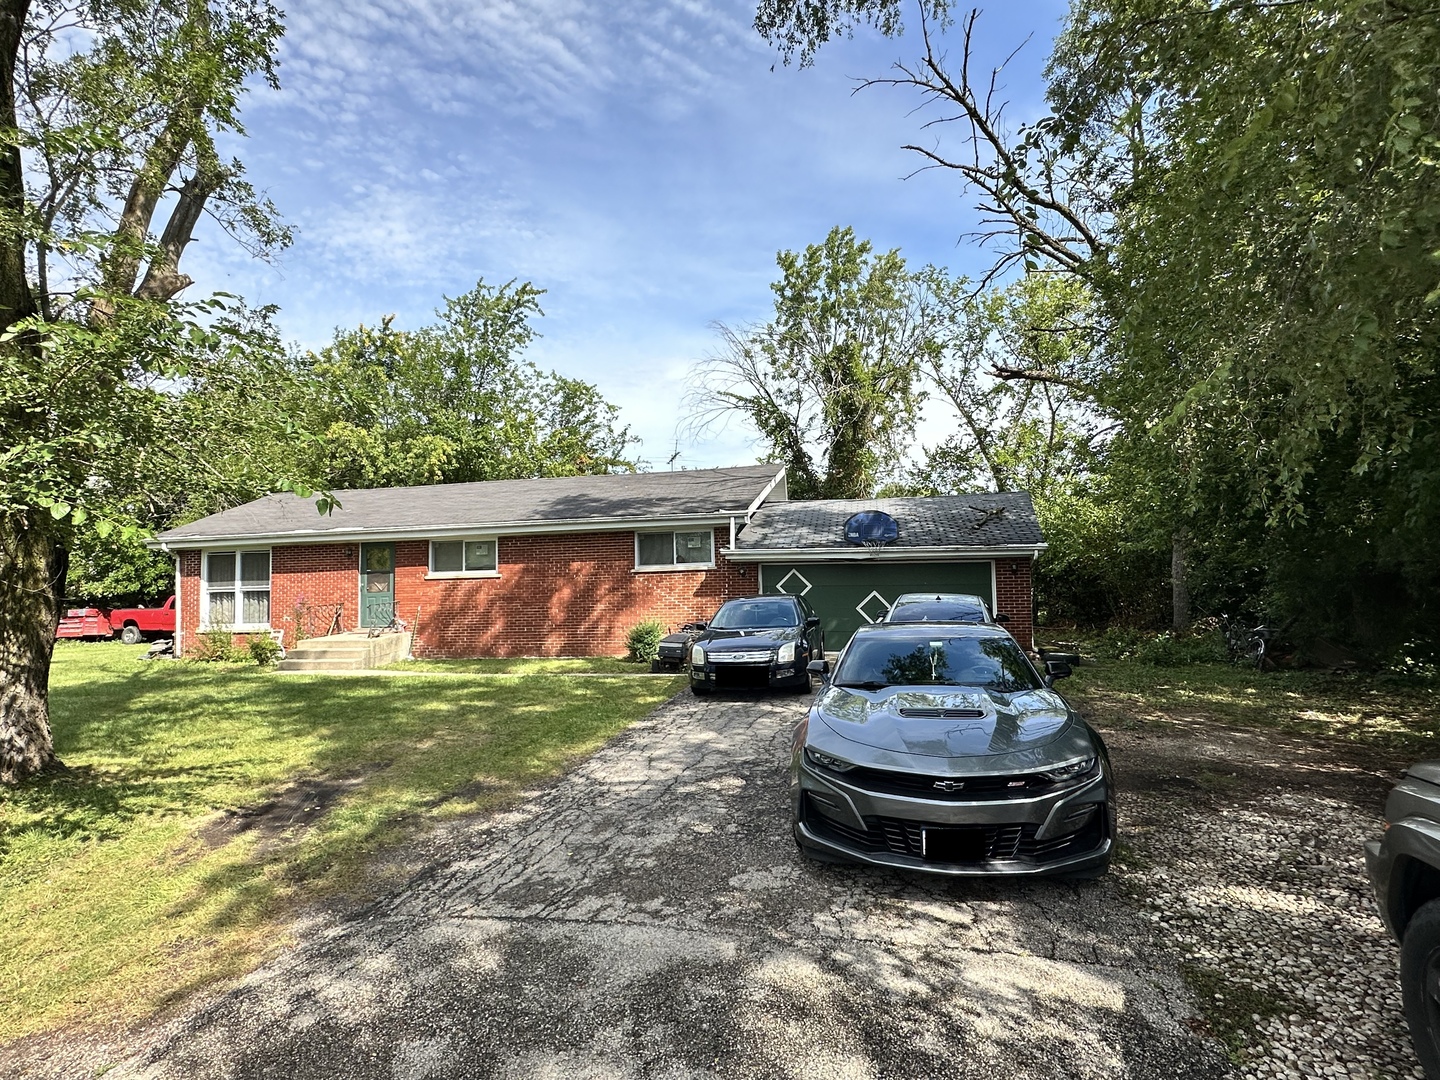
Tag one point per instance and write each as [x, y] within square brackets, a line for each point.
[952, 845]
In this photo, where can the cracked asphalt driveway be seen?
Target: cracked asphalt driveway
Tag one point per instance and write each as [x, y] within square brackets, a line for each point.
[648, 916]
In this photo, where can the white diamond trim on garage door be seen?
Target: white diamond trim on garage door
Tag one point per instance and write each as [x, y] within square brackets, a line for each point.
[780, 586]
[860, 607]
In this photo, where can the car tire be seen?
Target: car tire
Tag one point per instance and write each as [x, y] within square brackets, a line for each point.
[1420, 984]
[701, 690]
[131, 635]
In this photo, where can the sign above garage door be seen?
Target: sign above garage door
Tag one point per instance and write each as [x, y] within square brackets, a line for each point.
[847, 595]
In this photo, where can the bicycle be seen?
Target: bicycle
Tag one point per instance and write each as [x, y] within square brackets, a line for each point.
[1246, 644]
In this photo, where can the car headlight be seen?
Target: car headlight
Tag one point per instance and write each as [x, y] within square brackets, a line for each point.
[1076, 770]
[825, 761]
[786, 655]
[697, 655]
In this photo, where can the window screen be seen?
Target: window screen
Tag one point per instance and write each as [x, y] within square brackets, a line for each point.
[462, 556]
[694, 547]
[655, 549]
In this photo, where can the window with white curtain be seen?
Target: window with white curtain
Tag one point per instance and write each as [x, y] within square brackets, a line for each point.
[237, 589]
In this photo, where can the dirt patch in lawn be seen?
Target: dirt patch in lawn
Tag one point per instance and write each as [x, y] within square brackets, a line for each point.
[278, 820]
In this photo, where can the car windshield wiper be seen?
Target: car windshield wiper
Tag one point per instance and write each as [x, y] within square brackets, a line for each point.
[872, 685]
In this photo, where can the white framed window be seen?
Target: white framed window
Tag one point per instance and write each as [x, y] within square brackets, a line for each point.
[235, 590]
[690, 550]
[464, 558]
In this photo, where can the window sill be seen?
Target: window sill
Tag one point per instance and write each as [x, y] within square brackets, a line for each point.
[256, 629]
[672, 569]
[460, 575]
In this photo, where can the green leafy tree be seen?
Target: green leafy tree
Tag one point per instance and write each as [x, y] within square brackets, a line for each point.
[1249, 190]
[105, 107]
[1009, 434]
[831, 383]
[453, 402]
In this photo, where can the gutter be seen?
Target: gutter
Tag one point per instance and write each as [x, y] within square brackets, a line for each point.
[905, 554]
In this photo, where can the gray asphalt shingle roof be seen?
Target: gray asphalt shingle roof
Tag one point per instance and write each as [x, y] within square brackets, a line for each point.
[960, 521]
[621, 496]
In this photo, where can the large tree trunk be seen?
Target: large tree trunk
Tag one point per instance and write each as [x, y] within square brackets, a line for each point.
[32, 579]
[31, 564]
[1179, 585]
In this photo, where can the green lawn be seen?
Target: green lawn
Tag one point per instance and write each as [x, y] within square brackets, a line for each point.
[528, 665]
[1393, 712]
[125, 884]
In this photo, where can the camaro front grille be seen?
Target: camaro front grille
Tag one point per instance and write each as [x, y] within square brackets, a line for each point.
[743, 656]
[974, 843]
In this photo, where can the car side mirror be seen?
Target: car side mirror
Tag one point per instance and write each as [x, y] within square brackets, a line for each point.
[812, 622]
[1002, 618]
[819, 667]
[1058, 669]
[697, 626]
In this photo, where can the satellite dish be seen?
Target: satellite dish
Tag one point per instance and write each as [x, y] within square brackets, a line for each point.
[871, 528]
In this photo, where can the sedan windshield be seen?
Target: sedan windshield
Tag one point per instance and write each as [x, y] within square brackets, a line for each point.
[755, 615]
[936, 611]
[930, 659]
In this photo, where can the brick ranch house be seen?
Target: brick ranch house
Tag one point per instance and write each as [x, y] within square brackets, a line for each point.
[566, 566]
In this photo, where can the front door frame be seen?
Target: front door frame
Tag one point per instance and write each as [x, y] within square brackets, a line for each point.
[365, 619]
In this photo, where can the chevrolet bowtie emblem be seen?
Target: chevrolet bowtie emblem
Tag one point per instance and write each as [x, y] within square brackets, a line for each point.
[950, 785]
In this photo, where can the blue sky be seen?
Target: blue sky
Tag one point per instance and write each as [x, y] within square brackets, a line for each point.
[639, 161]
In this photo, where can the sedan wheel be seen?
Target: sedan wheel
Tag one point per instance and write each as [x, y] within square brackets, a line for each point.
[1420, 984]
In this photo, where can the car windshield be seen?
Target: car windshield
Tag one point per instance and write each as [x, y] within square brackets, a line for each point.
[931, 659]
[936, 611]
[755, 615]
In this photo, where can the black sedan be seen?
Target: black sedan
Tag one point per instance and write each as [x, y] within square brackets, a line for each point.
[938, 747]
[757, 642]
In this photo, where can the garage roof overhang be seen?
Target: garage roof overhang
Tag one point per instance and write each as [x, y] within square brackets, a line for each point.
[949, 553]
[442, 532]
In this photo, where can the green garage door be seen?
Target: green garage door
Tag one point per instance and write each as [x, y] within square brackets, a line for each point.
[847, 595]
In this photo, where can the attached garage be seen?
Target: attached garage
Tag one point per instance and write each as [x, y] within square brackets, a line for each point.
[980, 544]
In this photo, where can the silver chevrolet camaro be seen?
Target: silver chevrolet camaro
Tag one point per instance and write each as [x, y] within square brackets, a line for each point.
[939, 747]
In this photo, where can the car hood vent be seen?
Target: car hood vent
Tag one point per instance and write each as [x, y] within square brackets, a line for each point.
[942, 714]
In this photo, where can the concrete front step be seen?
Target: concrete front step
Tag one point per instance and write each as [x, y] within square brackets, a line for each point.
[346, 652]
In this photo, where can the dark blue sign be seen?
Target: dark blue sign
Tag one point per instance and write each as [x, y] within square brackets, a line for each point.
[871, 527]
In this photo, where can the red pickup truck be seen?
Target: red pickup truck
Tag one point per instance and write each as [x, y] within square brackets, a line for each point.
[135, 624]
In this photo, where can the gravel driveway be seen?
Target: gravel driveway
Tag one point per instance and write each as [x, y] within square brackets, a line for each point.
[648, 916]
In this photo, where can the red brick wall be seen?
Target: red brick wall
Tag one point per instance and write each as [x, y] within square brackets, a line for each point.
[317, 576]
[563, 594]
[1014, 597]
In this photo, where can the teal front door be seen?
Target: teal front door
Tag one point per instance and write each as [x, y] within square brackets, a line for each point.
[377, 584]
[847, 595]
